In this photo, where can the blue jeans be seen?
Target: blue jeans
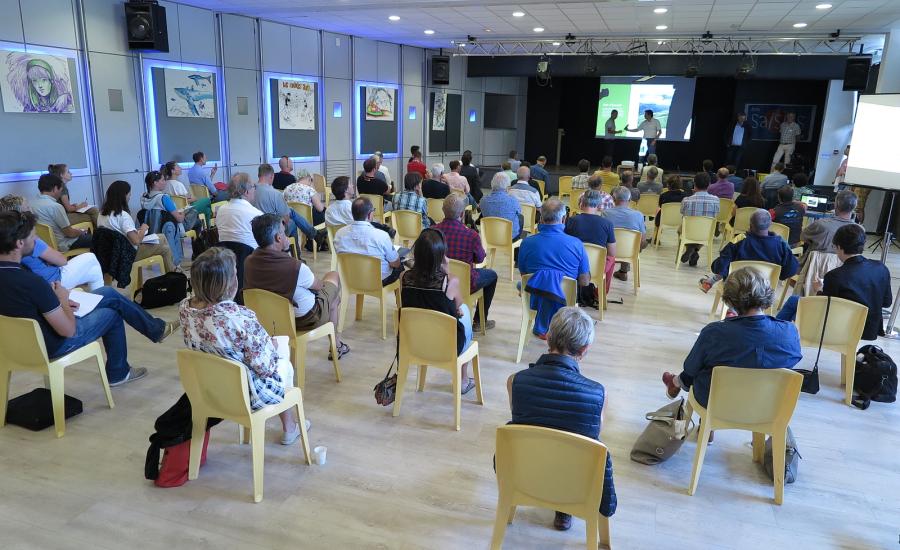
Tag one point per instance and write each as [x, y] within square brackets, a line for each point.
[170, 231]
[466, 321]
[788, 311]
[299, 222]
[106, 322]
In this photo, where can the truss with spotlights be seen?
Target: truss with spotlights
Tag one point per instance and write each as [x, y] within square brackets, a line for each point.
[661, 45]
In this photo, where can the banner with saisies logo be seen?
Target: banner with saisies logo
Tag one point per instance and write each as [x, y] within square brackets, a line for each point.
[765, 120]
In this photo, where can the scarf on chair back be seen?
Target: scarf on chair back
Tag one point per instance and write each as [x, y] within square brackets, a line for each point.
[273, 271]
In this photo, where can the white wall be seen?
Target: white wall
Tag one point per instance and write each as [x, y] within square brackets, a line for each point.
[837, 126]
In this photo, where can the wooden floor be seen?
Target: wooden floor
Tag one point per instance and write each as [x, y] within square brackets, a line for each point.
[413, 482]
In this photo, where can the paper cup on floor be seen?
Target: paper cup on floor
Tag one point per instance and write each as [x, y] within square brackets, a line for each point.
[319, 455]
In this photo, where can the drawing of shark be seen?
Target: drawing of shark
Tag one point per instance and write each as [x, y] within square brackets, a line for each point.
[198, 78]
[193, 97]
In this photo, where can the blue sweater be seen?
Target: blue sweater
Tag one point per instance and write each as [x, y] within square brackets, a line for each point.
[770, 248]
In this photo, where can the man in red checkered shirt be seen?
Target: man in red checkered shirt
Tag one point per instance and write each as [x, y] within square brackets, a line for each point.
[464, 244]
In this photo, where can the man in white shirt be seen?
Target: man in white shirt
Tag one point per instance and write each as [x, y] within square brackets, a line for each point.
[338, 212]
[523, 191]
[790, 130]
[233, 219]
[384, 169]
[652, 131]
[360, 237]
[50, 212]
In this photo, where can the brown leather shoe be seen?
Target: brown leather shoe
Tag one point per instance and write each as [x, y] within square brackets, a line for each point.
[562, 522]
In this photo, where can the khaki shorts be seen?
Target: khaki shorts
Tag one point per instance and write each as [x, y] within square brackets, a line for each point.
[321, 311]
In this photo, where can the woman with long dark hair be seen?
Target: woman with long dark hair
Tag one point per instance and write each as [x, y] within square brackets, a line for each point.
[115, 215]
[162, 215]
[429, 285]
[751, 195]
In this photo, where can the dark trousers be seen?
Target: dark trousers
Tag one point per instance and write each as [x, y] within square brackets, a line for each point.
[485, 279]
[83, 241]
[395, 274]
[733, 155]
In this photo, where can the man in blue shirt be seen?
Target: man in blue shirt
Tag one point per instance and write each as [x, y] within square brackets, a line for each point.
[538, 171]
[624, 217]
[197, 174]
[500, 204]
[736, 138]
[591, 227]
[548, 256]
[735, 179]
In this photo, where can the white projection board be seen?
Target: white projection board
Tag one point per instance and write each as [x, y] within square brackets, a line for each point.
[873, 147]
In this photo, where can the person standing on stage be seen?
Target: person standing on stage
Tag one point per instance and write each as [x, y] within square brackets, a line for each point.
[736, 138]
[790, 131]
[610, 132]
[652, 130]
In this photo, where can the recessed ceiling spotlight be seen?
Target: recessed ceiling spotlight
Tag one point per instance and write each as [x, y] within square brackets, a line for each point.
[518, 14]
[660, 10]
[823, 6]
[556, 43]
[538, 29]
[662, 27]
[429, 31]
[799, 25]
[488, 30]
[394, 17]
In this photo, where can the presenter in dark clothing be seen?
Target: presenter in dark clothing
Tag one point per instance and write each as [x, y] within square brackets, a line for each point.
[736, 138]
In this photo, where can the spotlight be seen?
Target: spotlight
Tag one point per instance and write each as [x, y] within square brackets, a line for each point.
[707, 36]
[471, 39]
[744, 69]
[570, 39]
[691, 71]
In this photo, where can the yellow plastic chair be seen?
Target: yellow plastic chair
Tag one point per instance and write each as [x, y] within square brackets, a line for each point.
[846, 321]
[199, 191]
[305, 212]
[628, 249]
[276, 314]
[648, 204]
[435, 209]
[214, 207]
[550, 469]
[408, 224]
[574, 200]
[528, 218]
[782, 231]
[565, 186]
[570, 289]
[378, 202]
[180, 202]
[361, 276]
[788, 286]
[319, 183]
[463, 272]
[597, 260]
[726, 209]
[543, 188]
[770, 271]
[761, 401]
[761, 176]
[45, 234]
[695, 230]
[426, 340]
[23, 350]
[218, 388]
[331, 230]
[137, 272]
[669, 218]
[741, 222]
[496, 234]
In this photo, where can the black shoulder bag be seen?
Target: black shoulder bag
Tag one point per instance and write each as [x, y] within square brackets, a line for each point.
[811, 377]
[386, 390]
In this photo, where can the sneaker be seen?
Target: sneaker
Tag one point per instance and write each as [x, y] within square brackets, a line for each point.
[695, 257]
[686, 256]
[292, 436]
[705, 284]
[672, 390]
[562, 522]
[489, 324]
[467, 387]
[171, 326]
[342, 350]
[621, 275]
[135, 373]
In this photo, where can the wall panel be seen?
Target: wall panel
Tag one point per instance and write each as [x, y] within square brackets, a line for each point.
[49, 23]
[11, 21]
[173, 25]
[119, 145]
[365, 60]
[388, 62]
[338, 135]
[337, 55]
[199, 36]
[240, 43]
[276, 47]
[243, 130]
[104, 23]
[306, 52]
[413, 65]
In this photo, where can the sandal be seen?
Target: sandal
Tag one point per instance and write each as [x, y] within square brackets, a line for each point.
[467, 387]
[342, 350]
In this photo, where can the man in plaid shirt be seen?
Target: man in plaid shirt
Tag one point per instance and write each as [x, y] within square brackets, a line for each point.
[464, 245]
[411, 198]
[700, 203]
[596, 183]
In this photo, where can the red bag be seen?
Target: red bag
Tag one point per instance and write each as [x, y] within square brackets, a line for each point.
[175, 461]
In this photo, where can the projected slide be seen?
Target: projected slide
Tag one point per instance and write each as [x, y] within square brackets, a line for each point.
[871, 153]
[670, 98]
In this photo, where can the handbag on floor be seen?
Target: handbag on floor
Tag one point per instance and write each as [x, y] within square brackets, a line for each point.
[875, 377]
[165, 290]
[664, 435]
[173, 435]
[34, 410]
[811, 377]
[791, 458]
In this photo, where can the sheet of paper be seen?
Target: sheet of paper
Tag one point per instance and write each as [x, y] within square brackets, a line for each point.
[152, 238]
[282, 344]
[87, 301]
[84, 209]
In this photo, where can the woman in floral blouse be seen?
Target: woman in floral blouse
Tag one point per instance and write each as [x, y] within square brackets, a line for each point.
[213, 323]
[304, 192]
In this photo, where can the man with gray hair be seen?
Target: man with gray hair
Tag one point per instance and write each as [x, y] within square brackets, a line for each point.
[434, 187]
[548, 256]
[553, 393]
[624, 217]
[591, 227]
[819, 254]
[759, 245]
[500, 204]
[523, 191]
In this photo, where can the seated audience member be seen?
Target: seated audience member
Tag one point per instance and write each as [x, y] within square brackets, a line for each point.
[510, 173]
[538, 171]
[789, 213]
[819, 254]
[651, 185]
[708, 169]
[50, 212]
[116, 216]
[269, 200]
[368, 184]
[750, 195]
[415, 163]
[271, 267]
[735, 179]
[51, 265]
[302, 191]
[624, 217]
[213, 323]
[501, 204]
[89, 215]
[548, 256]
[772, 183]
[802, 187]
[591, 227]
[758, 245]
[338, 211]
[581, 180]
[434, 187]
[383, 169]
[652, 162]
[429, 285]
[531, 181]
[457, 183]
[411, 198]
[360, 237]
[627, 180]
[610, 178]
[864, 281]
[722, 187]
[751, 340]
[468, 153]
[464, 244]
[674, 193]
[233, 219]
[171, 171]
[163, 217]
[197, 174]
[553, 393]
[700, 203]
[595, 182]
[285, 177]
[513, 161]
[523, 191]
[470, 172]
[26, 295]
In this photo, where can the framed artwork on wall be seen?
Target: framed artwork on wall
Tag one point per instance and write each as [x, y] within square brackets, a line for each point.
[35, 83]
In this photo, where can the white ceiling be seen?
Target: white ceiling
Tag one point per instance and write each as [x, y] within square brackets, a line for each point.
[455, 19]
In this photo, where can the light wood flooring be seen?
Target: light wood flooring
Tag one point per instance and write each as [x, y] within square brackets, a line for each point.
[413, 482]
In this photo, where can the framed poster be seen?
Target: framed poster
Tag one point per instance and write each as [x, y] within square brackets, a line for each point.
[296, 105]
[439, 111]
[35, 83]
[190, 94]
[380, 103]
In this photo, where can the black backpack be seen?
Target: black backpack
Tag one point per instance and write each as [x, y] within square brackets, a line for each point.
[207, 239]
[875, 378]
[172, 427]
[165, 290]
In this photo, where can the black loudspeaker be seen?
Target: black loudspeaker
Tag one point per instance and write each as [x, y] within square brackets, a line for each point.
[440, 70]
[145, 24]
[856, 73]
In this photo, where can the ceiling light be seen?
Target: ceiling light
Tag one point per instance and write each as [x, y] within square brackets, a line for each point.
[660, 10]
[662, 27]
[538, 29]
[556, 43]
[518, 14]
[488, 30]
[799, 25]
[823, 6]
[429, 31]
[394, 17]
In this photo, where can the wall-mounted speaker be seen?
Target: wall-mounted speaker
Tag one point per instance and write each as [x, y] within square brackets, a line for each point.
[440, 70]
[145, 24]
[856, 73]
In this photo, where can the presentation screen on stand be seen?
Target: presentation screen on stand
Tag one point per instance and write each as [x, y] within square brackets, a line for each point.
[873, 150]
[671, 98]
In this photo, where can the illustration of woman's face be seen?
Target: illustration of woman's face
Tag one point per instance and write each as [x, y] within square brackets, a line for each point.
[40, 81]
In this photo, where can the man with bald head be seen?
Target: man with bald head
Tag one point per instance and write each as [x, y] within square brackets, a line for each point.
[285, 175]
[758, 245]
[522, 189]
